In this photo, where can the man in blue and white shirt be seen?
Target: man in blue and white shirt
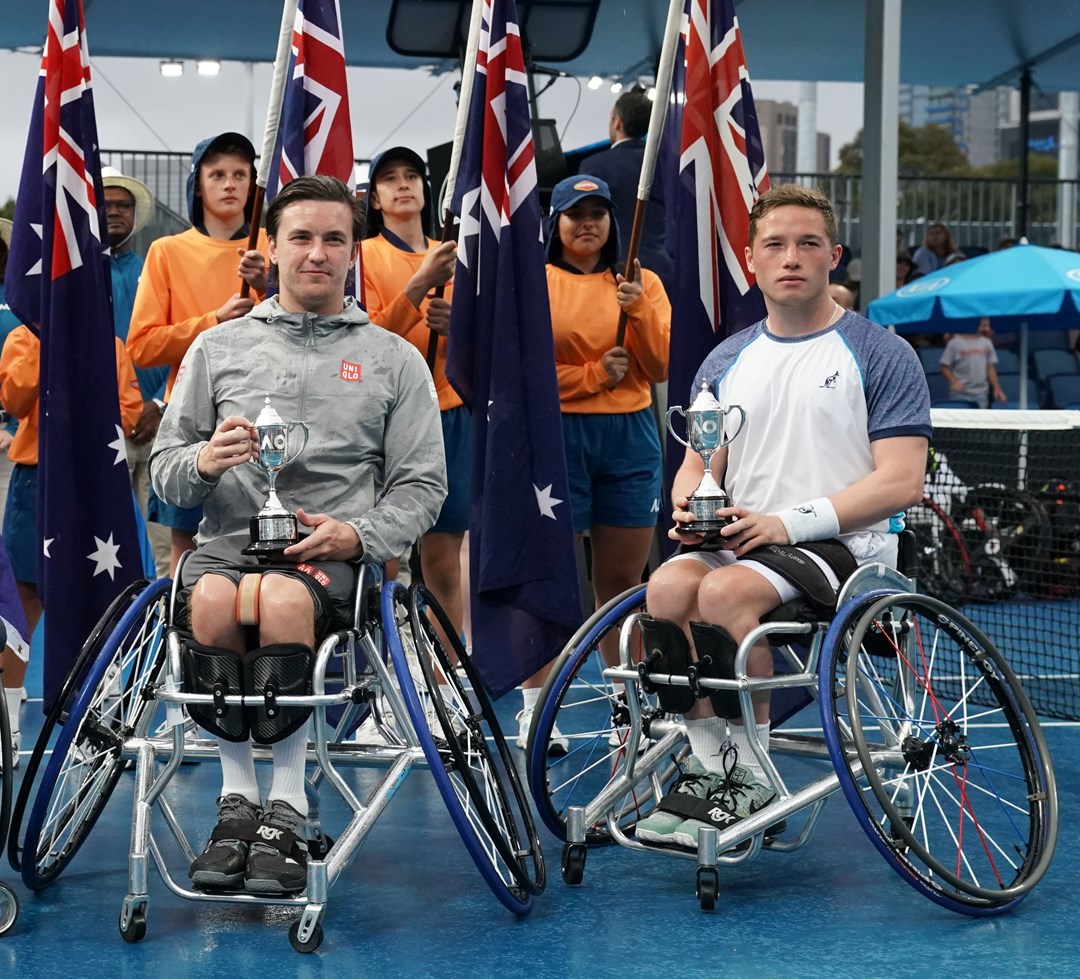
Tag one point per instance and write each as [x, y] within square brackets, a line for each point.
[832, 451]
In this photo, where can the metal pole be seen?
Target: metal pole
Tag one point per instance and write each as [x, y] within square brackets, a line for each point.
[1022, 172]
[1068, 154]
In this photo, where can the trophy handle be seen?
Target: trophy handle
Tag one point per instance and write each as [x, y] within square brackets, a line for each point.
[671, 411]
[304, 440]
[742, 421]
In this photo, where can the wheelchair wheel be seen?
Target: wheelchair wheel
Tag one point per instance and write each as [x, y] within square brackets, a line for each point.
[453, 726]
[58, 711]
[594, 718]
[939, 752]
[943, 565]
[87, 758]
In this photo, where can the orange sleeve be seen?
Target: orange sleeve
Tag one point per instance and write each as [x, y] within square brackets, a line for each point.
[580, 380]
[131, 402]
[20, 371]
[648, 329]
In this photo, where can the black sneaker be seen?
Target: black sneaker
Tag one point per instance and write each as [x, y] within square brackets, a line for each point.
[222, 864]
[277, 862]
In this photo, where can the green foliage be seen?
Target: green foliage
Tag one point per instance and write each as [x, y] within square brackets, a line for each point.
[922, 152]
[7, 210]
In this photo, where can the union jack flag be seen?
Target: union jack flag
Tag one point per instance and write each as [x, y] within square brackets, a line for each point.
[315, 132]
[501, 359]
[58, 284]
[719, 174]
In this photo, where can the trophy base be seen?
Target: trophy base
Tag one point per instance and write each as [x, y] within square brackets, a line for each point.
[270, 535]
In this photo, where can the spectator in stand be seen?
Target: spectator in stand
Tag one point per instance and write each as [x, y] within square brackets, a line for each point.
[937, 246]
[842, 296]
[967, 363]
[906, 269]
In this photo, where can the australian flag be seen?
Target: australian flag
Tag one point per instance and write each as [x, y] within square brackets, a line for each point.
[58, 284]
[525, 597]
[720, 172]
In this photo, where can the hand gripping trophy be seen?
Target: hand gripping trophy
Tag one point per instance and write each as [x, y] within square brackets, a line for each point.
[705, 431]
[274, 528]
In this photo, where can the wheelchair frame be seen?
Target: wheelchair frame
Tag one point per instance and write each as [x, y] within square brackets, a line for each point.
[878, 751]
[387, 663]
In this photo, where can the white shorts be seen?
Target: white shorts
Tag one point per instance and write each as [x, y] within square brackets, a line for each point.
[867, 547]
[16, 643]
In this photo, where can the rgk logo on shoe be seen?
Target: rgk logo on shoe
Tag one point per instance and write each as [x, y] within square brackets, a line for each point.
[268, 833]
[718, 815]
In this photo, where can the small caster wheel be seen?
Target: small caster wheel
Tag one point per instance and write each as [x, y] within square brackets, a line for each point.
[311, 944]
[9, 908]
[136, 929]
[708, 887]
[573, 863]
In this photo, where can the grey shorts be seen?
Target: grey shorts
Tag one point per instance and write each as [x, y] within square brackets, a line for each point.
[332, 584]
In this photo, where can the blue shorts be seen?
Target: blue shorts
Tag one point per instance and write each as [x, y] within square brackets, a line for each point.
[614, 466]
[179, 518]
[20, 523]
[457, 441]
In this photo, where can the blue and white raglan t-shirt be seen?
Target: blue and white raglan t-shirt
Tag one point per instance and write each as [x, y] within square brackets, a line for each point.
[814, 404]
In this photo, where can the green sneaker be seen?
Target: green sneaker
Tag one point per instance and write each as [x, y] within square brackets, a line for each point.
[738, 795]
[689, 790]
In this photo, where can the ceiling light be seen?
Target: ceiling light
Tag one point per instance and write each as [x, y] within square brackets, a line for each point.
[616, 88]
[650, 94]
[172, 68]
[208, 67]
[595, 82]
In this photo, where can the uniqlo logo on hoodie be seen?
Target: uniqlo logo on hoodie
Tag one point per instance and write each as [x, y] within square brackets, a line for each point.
[350, 371]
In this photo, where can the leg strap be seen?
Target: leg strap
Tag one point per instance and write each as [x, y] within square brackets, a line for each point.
[247, 599]
[716, 649]
[666, 651]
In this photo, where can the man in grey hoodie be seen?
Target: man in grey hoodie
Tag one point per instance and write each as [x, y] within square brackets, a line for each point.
[371, 480]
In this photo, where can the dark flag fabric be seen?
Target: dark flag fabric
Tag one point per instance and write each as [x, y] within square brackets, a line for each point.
[315, 131]
[720, 171]
[525, 596]
[58, 284]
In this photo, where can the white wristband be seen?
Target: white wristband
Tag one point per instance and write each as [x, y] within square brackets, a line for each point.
[813, 520]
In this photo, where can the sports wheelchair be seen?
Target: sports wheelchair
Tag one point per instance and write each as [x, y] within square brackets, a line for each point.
[125, 705]
[928, 732]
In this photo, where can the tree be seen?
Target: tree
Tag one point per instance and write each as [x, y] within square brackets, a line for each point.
[923, 151]
[8, 209]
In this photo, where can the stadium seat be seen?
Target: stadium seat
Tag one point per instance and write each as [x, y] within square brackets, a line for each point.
[1064, 390]
[1010, 384]
[1048, 340]
[1008, 362]
[1050, 362]
[930, 357]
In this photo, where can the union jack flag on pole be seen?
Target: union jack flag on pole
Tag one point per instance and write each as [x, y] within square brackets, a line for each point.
[315, 132]
[719, 174]
[58, 284]
[525, 597]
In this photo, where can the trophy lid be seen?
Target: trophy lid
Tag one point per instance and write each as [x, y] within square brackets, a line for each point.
[268, 416]
[705, 401]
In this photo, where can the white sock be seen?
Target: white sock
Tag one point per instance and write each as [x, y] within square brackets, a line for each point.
[707, 737]
[290, 763]
[14, 697]
[747, 758]
[238, 770]
[530, 695]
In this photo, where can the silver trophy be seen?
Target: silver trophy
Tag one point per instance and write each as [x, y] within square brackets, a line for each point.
[705, 429]
[274, 528]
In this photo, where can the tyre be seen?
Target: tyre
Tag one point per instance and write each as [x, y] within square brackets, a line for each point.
[87, 758]
[594, 717]
[464, 747]
[938, 751]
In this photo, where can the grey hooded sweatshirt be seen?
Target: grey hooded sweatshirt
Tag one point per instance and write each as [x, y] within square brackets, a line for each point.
[375, 455]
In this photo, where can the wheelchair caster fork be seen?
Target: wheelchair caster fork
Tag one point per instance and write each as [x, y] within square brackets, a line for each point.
[133, 920]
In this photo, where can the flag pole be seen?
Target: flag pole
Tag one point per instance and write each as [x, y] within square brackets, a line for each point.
[657, 120]
[273, 120]
[468, 74]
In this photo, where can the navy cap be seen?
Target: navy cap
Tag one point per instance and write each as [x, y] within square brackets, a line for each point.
[396, 153]
[566, 193]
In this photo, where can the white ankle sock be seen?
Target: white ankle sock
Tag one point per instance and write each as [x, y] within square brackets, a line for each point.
[290, 762]
[530, 696]
[238, 770]
[747, 758]
[707, 737]
[14, 698]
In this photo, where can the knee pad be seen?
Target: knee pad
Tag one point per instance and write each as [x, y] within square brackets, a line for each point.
[282, 670]
[716, 649]
[666, 651]
[220, 672]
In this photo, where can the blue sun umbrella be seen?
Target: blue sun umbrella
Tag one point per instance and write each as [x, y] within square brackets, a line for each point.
[1022, 288]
